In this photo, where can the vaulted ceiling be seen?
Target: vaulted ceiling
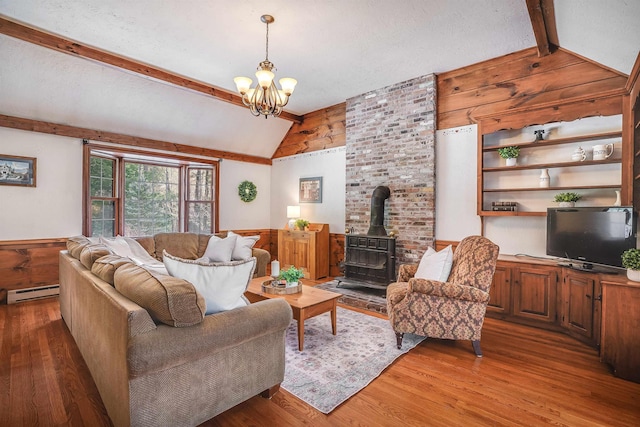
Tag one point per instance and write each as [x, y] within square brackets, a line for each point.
[336, 49]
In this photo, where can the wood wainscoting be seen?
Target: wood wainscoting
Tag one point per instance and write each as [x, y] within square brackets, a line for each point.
[28, 263]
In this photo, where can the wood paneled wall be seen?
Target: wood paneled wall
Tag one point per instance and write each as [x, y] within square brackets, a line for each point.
[522, 81]
[320, 130]
[28, 263]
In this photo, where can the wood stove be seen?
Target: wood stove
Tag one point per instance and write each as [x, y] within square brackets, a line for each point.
[370, 261]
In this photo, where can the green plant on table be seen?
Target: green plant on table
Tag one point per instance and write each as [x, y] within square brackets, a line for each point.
[509, 152]
[302, 223]
[567, 197]
[291, 275]
[631, 259]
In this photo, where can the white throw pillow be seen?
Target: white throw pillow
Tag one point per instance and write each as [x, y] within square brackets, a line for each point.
[244, 246]
[219, 250]
[221, 284]
[435, 265]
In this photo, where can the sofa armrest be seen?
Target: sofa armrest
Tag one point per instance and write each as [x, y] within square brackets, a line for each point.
[167, 347]
[448, 290]
[262, 260]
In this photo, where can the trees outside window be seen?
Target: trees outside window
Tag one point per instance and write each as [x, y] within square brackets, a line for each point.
[102, 195]
[140, 195]
[199, 200]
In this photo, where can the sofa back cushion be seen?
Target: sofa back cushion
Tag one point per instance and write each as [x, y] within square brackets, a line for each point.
[76, 244]
[148, 243]
[91, 253]
[183, 245]
[170, 300]
[106, 266]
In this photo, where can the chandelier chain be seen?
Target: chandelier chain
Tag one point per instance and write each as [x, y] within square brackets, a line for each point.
[267, 44]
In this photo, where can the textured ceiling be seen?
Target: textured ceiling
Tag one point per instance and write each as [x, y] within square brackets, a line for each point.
[336, 49]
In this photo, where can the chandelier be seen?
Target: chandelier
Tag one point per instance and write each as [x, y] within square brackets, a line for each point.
[265, 99]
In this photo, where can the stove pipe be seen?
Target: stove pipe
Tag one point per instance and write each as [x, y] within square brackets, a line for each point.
[380, 194]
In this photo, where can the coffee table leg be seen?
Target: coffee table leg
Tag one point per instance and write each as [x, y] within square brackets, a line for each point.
[333, 318]
[300, 333]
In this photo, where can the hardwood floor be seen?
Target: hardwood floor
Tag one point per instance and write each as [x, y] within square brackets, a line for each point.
[527, 377]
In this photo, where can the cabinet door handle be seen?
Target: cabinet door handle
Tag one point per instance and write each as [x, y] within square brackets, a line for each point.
[598, 298]
[588, 296]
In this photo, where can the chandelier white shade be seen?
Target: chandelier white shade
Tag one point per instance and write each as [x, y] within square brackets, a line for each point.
[265, 99]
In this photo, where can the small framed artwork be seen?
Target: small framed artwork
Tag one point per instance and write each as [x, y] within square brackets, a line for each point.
[311, 190]
[16, 170]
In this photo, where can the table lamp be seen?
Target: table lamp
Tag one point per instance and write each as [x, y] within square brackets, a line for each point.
[293, 213]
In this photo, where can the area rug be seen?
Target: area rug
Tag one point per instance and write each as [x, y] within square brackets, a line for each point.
[358, 296]
[332, 368]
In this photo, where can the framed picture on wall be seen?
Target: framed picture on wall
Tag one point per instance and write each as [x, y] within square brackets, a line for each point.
[311, 190]
[16, 170]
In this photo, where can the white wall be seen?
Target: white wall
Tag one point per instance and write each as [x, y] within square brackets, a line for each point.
[285, 174]
[53, 208]
[236, 214]
[456, 183]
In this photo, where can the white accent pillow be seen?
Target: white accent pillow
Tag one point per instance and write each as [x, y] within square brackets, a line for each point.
[219, 250]
[435, 265]
[244, 246]
[221, 284]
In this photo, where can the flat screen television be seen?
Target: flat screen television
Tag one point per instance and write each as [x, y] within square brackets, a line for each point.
[591, 235]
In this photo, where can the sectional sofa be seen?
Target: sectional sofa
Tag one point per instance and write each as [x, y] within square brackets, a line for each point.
[161, 360]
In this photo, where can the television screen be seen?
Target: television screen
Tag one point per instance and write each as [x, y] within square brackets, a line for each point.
[593, 235]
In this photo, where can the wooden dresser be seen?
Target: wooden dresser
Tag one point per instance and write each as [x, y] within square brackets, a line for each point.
[307, 249]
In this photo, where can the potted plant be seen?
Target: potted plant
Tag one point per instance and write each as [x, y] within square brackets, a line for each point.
[302, 224]
[509, 154]
[631, 261]
[291, 276]
[567, 200]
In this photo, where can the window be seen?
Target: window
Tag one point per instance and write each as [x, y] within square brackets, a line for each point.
[134, 193]
[102, 191]
[199, 200]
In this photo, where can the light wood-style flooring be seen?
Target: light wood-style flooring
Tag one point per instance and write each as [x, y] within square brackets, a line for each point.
[527, 377]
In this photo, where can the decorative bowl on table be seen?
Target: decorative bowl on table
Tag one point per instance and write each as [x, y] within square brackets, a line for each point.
[280, 287]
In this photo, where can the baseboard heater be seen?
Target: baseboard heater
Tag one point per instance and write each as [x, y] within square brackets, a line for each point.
[29, 294]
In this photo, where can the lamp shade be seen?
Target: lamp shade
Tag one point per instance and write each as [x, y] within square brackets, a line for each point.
[293, 211]
[265, 77]
[288, 85]
[243, 84]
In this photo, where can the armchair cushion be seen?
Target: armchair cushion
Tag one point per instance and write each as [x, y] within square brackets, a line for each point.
[448, 290]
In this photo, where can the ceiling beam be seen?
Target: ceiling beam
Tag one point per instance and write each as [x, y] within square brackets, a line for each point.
[52, 41]
[542, 16]
[117, 138]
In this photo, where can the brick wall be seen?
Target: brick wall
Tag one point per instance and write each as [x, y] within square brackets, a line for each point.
[390, 140]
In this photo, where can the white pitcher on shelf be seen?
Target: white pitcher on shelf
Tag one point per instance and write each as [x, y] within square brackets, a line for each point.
[602, 151]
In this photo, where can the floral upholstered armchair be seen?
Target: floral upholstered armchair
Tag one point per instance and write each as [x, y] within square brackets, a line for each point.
[449, 310]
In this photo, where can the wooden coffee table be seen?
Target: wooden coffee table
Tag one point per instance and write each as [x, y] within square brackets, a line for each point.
[306, 304]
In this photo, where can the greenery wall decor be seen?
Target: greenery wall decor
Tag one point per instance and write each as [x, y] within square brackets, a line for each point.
[247, 191]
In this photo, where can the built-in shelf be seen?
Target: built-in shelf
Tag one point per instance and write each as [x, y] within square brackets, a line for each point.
[546, 142]
[574, 187]
[512, 213]
[529, 198]
[551, 165]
